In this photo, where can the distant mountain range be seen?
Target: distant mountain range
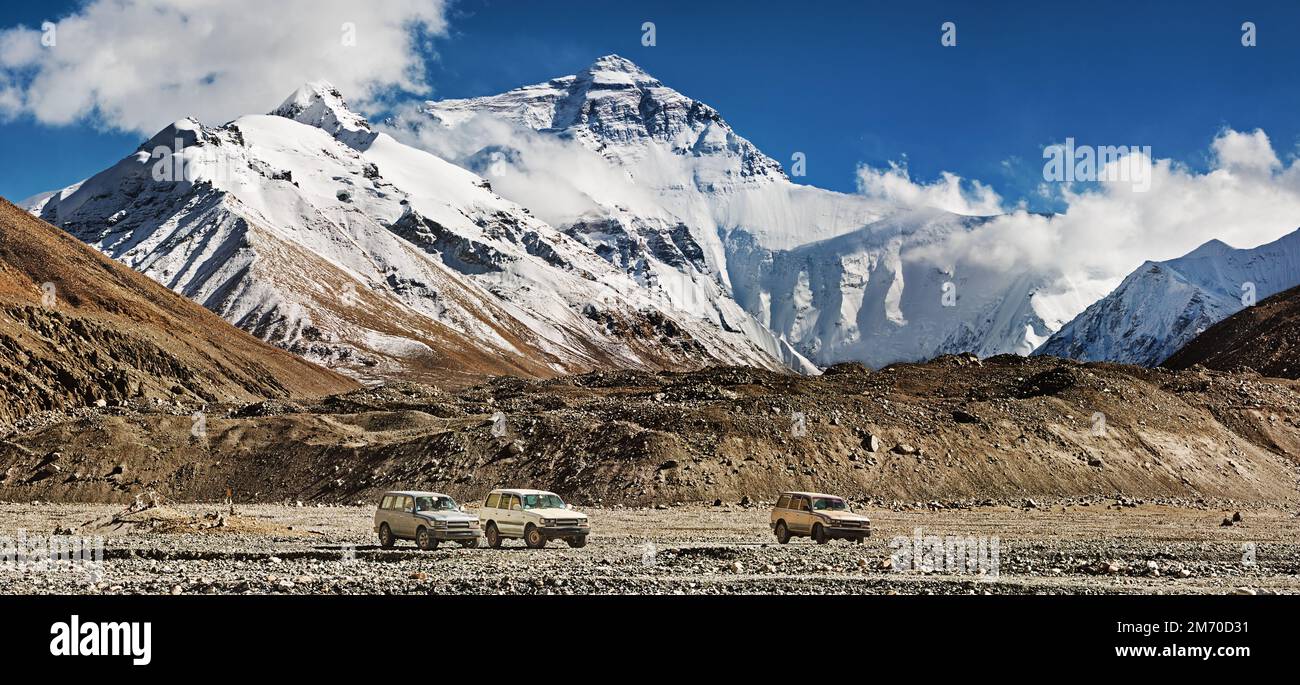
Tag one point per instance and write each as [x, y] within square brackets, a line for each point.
[597, 220]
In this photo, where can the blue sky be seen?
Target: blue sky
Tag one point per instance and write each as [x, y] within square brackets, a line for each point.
[855, 82]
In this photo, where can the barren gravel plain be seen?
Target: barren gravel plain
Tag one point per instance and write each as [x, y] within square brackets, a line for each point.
[1067, 547]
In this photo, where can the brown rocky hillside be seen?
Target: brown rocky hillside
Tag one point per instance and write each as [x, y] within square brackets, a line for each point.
[104, 334]
[954, 429]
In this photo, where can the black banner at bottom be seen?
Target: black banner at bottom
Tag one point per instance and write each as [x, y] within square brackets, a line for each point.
[303, 634]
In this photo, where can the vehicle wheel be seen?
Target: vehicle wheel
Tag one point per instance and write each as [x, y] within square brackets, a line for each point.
[386, 538]
[782, 532]
[470, 543]
[580, 541]
[819, 534]
[493, 537]
[424, 540]
[533, 537]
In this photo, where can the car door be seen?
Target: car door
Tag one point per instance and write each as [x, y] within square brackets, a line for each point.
[802, 515]
[405, 516]
[781, 511]
[381, 513]
[514, 516]
[491, 510]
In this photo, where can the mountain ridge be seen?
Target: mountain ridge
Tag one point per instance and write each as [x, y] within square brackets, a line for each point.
[1161, 306]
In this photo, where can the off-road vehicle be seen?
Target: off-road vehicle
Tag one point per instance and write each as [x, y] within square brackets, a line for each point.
[537, 516]
[425, 517]
[821, 517]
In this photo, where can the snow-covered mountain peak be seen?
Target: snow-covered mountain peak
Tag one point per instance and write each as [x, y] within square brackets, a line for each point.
[320, 104]
[615, 68]
[188, 131]
[1211, 248]
[628, 116]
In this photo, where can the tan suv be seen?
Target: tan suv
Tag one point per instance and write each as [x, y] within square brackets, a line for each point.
[821, 517]
[537, 516]
[426, 518]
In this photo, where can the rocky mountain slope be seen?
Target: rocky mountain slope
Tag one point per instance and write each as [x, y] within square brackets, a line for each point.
[77, 329]
[618, 159]
[1162, 306]
[325, 237]
[1264, 338]
[954, 429]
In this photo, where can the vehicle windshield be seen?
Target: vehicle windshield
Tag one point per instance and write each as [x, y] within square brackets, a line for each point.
[434, 504]
[546, 501]
[829, 504]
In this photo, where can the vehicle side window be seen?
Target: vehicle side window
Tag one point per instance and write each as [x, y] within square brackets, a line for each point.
[784, 502]
[387, 503]
[515, 504]
[492, 501]
[803, 504]
[408, 503]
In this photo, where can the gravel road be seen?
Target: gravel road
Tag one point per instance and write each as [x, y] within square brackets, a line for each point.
[690, 549]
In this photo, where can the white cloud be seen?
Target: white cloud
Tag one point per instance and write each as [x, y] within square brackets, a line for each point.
[137, 65]
[1245, 151]
[1248, 197]
[895, 185]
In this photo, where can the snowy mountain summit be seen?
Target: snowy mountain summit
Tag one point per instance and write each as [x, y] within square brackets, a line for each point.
[321, 105]
[615, 108]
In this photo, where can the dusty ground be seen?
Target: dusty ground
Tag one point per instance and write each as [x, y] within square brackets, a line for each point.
[1057, 548]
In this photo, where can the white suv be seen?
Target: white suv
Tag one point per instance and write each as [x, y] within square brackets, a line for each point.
[537, 516]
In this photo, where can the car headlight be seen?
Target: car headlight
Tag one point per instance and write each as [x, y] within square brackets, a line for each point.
[584, 522]
[439, 524]
[548, 522]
